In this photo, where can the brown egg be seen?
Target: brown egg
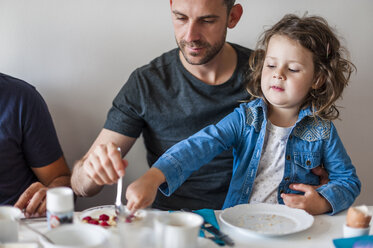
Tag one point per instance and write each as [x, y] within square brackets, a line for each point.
[358, 217]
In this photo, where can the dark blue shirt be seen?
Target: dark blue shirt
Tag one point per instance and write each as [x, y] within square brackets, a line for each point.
[27, 137]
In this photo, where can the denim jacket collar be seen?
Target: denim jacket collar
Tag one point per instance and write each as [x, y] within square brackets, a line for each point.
[258, 112]
[306, 128]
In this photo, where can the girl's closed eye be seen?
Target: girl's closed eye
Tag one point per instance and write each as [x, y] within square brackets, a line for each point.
[293, 70]
[270, 64]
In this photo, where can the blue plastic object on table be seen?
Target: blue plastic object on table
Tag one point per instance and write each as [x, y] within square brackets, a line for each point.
[356, 242]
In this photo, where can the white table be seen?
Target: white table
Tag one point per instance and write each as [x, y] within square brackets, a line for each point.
[324, 229]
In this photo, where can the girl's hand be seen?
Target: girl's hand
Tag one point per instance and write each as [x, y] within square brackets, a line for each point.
[312, 202]
[141, 193]
[322, 174]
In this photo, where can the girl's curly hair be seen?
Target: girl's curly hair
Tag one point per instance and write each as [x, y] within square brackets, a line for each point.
[332, 68]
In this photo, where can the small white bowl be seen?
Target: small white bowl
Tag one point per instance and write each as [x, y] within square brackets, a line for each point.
[349, 232]
[76, 236]
[9, 217]
[20, 245]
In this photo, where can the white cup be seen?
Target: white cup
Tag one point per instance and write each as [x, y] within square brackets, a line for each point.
[349, 232]
[9, 217]
[138, 233]
[178, 229]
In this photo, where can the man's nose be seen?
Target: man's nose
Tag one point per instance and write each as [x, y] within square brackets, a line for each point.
[193, 32]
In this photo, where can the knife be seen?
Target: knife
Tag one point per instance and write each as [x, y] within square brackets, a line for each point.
[219, 235]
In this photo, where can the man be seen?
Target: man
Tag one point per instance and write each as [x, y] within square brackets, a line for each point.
[171, 98]
[31, 158]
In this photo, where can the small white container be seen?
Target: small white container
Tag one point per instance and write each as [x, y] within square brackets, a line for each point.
[349, 232]
[60, 206]
[177, 229]
[9, 217]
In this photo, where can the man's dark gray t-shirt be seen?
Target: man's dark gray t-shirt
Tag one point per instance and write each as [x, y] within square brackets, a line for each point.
[167, 104]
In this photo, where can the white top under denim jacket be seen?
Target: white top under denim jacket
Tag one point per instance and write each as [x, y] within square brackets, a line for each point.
[271, 166]
[312, 142]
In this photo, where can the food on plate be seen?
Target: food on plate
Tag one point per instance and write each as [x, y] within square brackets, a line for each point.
[105, 216]
[358, 217]
[103, 220]
[132, 217]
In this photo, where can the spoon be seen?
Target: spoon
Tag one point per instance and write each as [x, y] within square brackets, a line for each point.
[119, 208]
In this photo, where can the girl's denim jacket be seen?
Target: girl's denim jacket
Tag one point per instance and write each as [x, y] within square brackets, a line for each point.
[312, 142]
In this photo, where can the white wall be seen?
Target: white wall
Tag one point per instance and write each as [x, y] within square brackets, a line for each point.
[78, 53]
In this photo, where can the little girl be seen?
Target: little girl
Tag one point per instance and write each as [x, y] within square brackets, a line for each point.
[298, 73]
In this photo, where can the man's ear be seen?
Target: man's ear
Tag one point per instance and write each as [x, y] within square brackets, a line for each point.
[234, 15]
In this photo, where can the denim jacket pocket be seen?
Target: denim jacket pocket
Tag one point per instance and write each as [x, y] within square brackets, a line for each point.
[307, 160]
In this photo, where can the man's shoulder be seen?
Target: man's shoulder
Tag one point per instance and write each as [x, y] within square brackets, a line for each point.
[160, 71]
[241, 50]
[160, 63]
[152, 79]
[10, 86]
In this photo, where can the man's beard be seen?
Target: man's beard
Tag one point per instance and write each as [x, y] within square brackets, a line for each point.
[211, 50]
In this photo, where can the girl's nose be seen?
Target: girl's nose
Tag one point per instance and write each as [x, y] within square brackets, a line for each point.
[279, 75]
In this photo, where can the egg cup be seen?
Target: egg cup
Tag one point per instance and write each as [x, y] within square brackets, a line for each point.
[349, 232]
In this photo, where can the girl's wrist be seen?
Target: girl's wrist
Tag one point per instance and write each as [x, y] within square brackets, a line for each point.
[156, 175]
[326, 206]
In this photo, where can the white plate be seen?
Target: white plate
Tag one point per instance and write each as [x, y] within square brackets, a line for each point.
[266, 219]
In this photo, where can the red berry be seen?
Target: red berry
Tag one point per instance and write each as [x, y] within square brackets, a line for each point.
[87, 218]
[93, 221]
[104, 223]
[128, 220]
[104, 217]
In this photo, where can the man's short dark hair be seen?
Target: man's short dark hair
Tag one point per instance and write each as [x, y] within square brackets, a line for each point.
[229, 4]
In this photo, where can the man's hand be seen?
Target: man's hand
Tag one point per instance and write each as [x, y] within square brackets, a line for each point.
[105, 164]
[102, 164]
[312, 202]
[141, 193]
[33, 200]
